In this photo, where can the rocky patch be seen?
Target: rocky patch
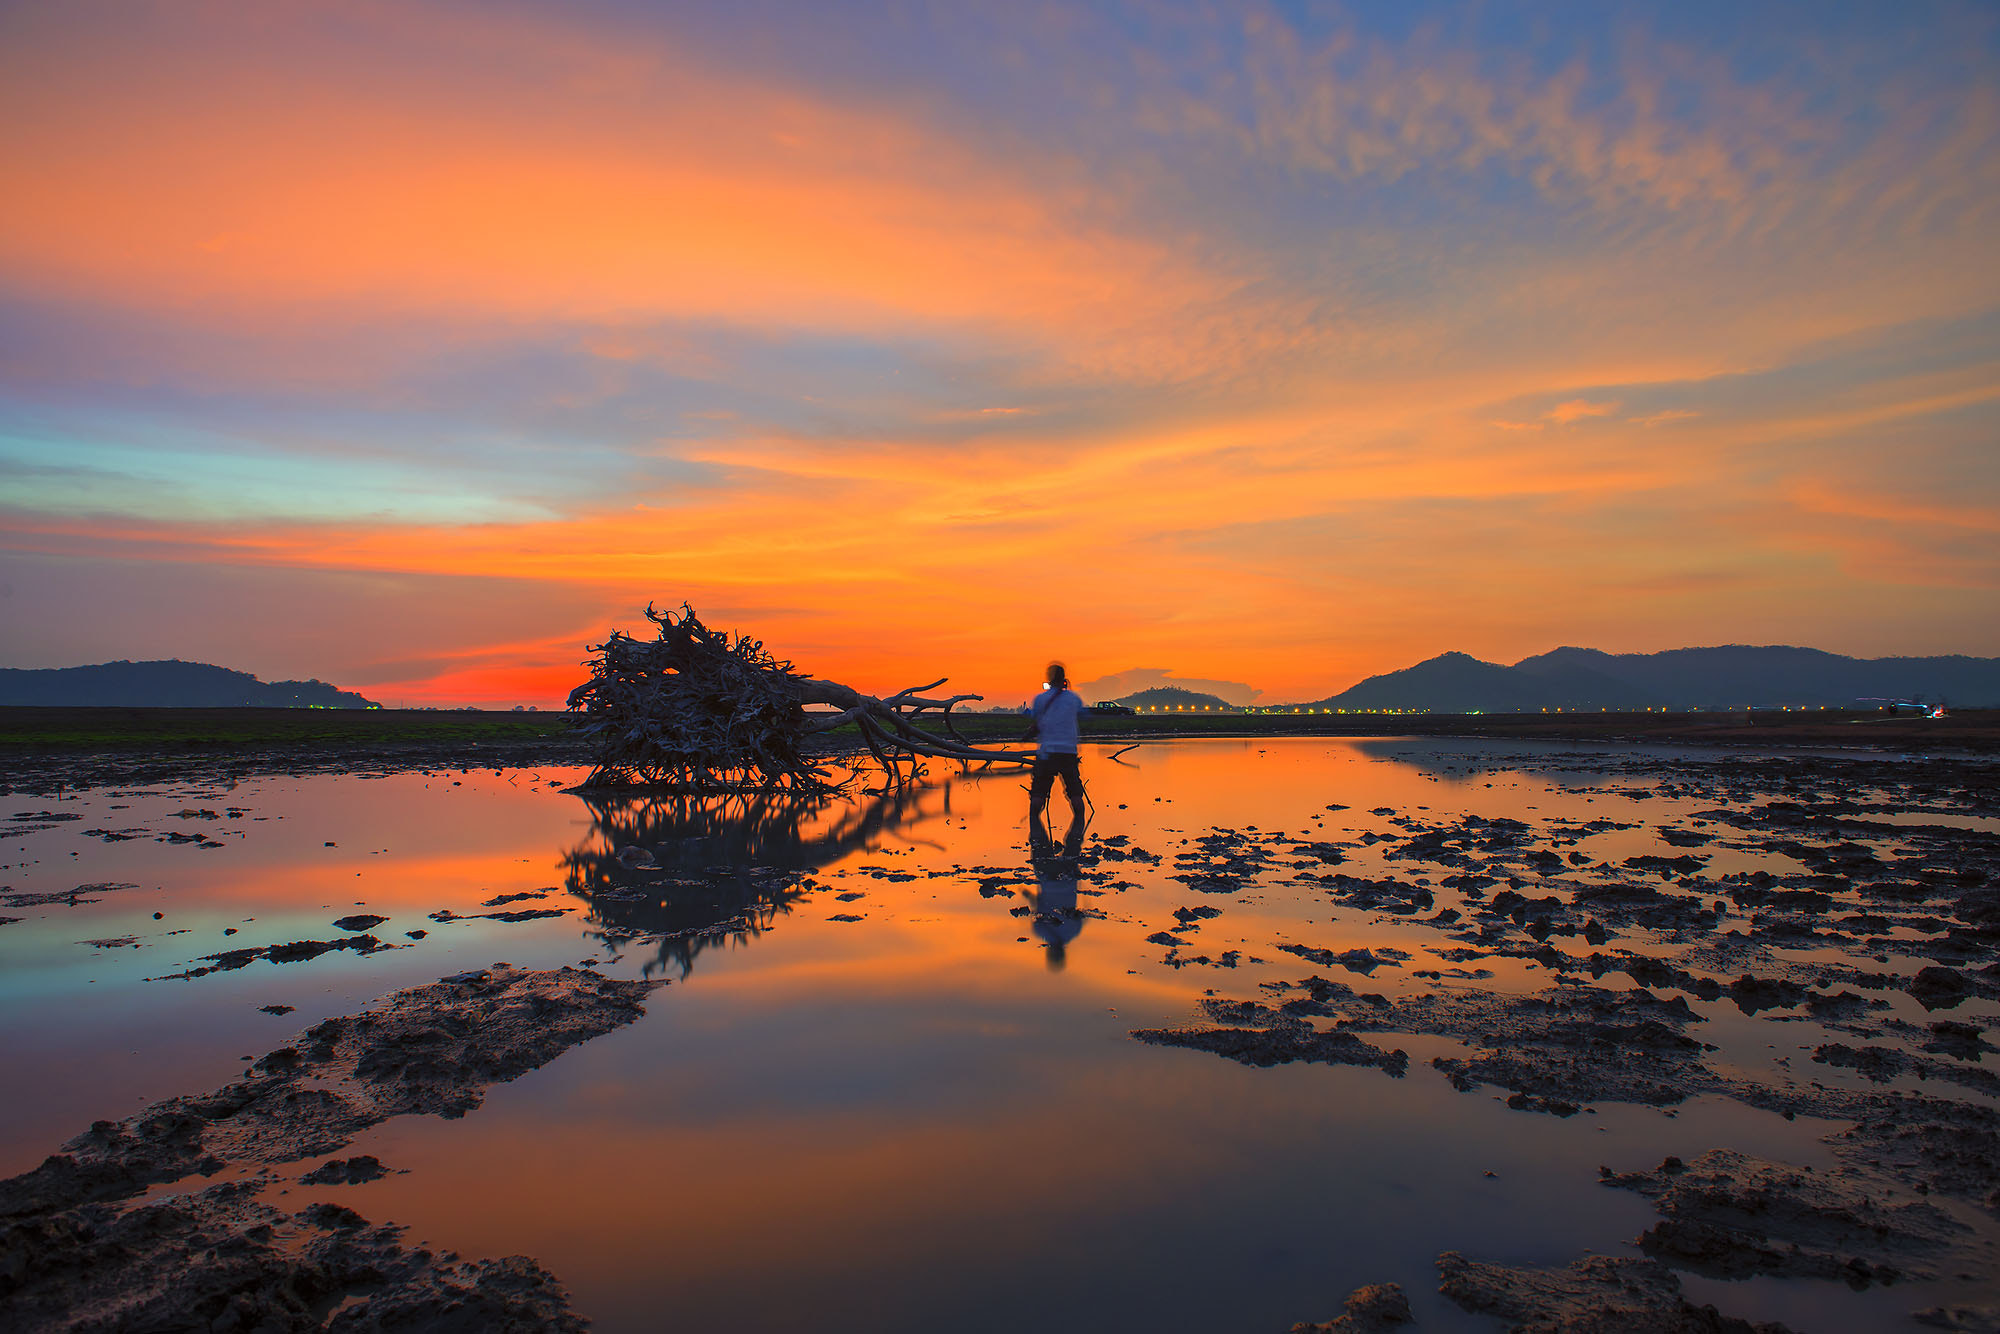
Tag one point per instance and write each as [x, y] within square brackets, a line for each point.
[1595, 1295]
[1254, 1034]
[220, 1260]
[1731, 1216]
[363, 1167]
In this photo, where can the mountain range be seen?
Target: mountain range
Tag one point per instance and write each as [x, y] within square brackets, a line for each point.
[1732, 676]
[169, 684]
[1172, 697]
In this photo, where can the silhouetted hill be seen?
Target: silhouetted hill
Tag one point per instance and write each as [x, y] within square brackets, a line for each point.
[1171, 697]
[1581, 679]
[169, 684]
[1736, 675]
[1449, 683]
[1732, 676]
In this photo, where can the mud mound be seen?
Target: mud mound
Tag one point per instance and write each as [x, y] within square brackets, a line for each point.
[1728, 1215]
[218, 1259]
[1283, 1041]
[353, 1171]
[1932, 1144]
[1596, 1295]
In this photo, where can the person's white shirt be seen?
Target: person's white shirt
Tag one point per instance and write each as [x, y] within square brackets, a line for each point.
[1057, 714]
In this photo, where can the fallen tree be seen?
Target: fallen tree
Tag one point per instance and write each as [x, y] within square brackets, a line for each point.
[698, 710]
[687, 872]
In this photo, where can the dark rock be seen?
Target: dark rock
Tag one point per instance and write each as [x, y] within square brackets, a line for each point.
[331, 1217]
[1752, 994]
[1959, 1041]
[1939, 988]
[1375, 1309]
[346, 1171]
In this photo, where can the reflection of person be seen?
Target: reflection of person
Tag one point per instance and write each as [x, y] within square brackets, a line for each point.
[1058, 920]
[1058, 711]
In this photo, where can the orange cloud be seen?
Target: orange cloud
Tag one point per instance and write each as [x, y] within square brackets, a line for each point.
[198, 161]
[1562, 414]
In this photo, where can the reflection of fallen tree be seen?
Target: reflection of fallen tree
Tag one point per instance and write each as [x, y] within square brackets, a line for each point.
[695, 710]
[692, 872]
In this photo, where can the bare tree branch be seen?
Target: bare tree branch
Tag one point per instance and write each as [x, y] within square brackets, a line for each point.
[696, 710]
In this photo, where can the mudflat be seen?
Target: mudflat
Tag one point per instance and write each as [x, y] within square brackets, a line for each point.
[1554, 1035]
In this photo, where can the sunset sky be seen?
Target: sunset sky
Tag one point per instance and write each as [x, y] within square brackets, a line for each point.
[413, 346]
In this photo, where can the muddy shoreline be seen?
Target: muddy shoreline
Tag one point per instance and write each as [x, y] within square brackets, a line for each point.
[1893, 896]
[89, 1241]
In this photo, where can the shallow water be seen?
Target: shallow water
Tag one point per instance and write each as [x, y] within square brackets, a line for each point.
[934, 1113]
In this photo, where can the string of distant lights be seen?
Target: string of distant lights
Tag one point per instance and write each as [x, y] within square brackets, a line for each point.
[1933, 711]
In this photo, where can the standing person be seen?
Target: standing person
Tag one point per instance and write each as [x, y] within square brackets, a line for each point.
[1058, 710]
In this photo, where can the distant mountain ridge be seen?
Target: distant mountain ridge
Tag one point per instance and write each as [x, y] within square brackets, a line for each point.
[166, 684]
[1171, 697]
[1731, 676]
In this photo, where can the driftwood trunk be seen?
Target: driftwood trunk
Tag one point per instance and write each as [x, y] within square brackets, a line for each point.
[698, 710]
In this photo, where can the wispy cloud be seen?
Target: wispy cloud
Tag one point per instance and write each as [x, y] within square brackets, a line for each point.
[1565, 413]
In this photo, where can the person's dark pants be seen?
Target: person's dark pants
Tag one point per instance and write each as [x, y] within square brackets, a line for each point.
[1044, 777]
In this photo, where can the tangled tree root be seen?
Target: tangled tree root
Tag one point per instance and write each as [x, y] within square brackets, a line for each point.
[696, 710]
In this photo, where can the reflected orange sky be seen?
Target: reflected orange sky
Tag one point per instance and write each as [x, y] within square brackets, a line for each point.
[413, 347]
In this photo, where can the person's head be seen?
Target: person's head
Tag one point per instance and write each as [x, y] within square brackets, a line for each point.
[1056, 676]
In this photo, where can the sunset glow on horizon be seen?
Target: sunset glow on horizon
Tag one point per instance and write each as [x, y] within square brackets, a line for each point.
[413, 347]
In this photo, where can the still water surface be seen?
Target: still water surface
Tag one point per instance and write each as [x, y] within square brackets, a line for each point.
[929, 1115]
